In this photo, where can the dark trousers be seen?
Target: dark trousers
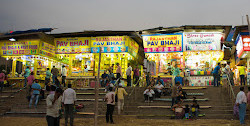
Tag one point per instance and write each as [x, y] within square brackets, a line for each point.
[109, 113]
[25, 81]
[1, 85]
[157, 94]
[146, 97]
[242, 79]
[173, 100]
[216, 80]
[63, 80]
[128, 80]
[136, 80]
[47, 80]
[53, 121]
[118, 75]
[68, 112]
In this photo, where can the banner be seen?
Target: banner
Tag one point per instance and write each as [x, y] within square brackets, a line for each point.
[246, 42]
[202, 41]
[162, 43]
[47, 49]
[109, 44]
[72, 45]
[133, 47]
[29, 47]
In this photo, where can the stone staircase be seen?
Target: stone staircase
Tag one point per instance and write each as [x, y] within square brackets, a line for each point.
[217, 105]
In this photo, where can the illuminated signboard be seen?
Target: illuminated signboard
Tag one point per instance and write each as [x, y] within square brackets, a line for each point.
[162, 43]
[201, 41]
[109, 44]
[72, 45]
[24, 47]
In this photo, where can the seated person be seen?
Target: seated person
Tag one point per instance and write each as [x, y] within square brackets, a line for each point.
[159, 80]
[108, 86]
[158, 90]
[148, 94]
[178, 110]
[194, 109]
[181, 94]
[167, 90]
[104, 79]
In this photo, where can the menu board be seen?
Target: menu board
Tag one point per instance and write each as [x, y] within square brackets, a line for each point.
[202, 41]
[24, 47]
[162, 43]
[109, 44]
[72, 45]
[47, 49]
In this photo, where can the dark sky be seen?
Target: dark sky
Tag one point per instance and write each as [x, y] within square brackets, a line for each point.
[80, 15]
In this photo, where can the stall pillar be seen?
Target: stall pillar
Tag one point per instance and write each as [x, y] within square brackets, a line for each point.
[35, 67]
[13, 68]
[70, 65]
[49, 65]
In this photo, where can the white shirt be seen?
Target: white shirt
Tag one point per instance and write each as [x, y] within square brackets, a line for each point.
[64, 71]
[129, 71]
[53, 109]
[149, 93]
[159, 87]
[241, 97]
[69, 96]
[109, 98]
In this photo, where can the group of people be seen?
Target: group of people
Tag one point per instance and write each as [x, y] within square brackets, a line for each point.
[224, 71]
[114, 94]
[3, 78]
[108, 75]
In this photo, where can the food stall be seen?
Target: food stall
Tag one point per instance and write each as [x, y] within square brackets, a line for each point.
[35, 53]
[115, 49]
[165, 50]
[202, 52]
[243, 56]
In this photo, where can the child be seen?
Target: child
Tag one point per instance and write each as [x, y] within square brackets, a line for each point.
[187, 111]
[194, 109]
[178, 110]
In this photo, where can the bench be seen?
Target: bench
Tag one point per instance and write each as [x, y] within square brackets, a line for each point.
[195, 94]
[90, 93]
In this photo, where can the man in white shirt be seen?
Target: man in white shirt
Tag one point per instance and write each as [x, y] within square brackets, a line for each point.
[128, 73]
[158, 89]
[241, 101]
[64, 73]
[148, 94]
[53, 106]
[110, 99]
[68, 100]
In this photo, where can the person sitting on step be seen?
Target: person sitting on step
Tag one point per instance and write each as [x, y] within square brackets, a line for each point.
[148, 94]
[158, 89]
[195, 109]
[178, 110]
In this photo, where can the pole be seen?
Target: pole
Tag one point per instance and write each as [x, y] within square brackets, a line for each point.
[248, 25]
[97, 89]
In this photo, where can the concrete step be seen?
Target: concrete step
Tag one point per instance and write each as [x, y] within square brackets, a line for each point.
[169, 100]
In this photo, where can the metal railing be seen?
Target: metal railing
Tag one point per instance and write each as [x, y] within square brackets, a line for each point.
[230, 90]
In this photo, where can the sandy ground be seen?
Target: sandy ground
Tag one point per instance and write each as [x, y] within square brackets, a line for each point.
[123, 121]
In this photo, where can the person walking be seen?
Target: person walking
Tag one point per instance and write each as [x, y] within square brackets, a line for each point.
[129, 73]
[175, 72]
[55, 72]
[242, 71]
[110, 99]
[35, 94]
[241, 101]
[2, 77]
[216, 74]
[68, 100]
[120, 91]
[137, 75]
[47, 78]
[64, 73]
[30, 80]
[118, 71]
[53, 102]
[26, 75]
